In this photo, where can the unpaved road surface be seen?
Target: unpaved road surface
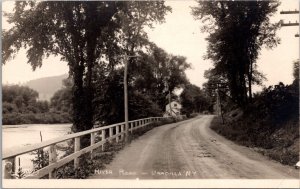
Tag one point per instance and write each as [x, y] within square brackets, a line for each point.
[191, 150]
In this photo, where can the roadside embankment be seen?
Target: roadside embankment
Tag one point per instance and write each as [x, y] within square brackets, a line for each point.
[280, 143]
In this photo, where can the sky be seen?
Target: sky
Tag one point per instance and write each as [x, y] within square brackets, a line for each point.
[179, 35]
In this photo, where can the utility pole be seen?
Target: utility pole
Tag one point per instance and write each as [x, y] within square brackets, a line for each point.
[169, 98]
[290, 23]
[219, 104]
[126, 59]
[290, 12]
[126, 99]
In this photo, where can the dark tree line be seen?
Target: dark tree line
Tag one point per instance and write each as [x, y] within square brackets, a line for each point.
[20, 105]
[22, 100]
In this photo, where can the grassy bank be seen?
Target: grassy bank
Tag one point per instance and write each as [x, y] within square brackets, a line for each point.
[270, 123]
[280, 143]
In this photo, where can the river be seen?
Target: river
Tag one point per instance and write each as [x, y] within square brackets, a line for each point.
[27, 134]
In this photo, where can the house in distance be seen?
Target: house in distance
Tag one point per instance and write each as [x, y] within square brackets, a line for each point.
[173, 109]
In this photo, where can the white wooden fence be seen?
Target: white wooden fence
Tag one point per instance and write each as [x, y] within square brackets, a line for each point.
[115, 131]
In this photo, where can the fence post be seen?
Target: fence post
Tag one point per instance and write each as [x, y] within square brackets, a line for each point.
[9, 168]
[76, 148]
[92, 143]
[131, 127]
[52, 159]
[117, 132]
[122, 130]
[103, 139]
[110, 134]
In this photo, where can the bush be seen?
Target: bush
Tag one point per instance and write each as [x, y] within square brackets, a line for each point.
[11, 119]
[270, 122]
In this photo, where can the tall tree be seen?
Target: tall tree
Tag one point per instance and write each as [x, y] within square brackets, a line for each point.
[157, 72]
[238, 30]
[83, 33]
[71, 29]
[129, 39]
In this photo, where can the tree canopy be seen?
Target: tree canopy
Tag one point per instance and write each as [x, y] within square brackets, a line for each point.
[238, 30]
[149, 77]
[85, 34]
[194, 100]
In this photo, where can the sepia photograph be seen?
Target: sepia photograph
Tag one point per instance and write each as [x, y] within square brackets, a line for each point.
[150, 94]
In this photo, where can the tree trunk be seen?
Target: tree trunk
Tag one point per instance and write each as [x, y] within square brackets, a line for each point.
[250, 81]
[81, 114]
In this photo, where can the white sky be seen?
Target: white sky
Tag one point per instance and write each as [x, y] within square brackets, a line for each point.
[180, 35]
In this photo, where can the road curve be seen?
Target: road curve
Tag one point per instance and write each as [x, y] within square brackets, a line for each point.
[191, 150]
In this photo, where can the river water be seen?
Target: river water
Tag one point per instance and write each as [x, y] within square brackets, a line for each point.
[27, 134]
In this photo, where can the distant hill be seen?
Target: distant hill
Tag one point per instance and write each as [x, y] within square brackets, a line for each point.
[47, 86]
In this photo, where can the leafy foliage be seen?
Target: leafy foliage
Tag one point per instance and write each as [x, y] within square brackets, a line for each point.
[21, 106]
[193, 100]
[61, 101]
[109, 102]
[238, 30]
[150, 75]
[157, 73]
[271, 123]
[21, 99]
[86, 34]
[277, 104]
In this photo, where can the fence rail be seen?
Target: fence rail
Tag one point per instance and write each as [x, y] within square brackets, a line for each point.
[106, 133]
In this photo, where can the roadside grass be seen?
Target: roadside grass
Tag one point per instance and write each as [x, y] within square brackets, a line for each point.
[88, 165]
[280, 143]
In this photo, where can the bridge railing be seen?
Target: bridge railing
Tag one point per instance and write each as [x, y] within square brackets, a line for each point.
[106, 133]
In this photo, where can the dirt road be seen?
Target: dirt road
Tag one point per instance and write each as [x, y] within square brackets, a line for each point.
[190, 149]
